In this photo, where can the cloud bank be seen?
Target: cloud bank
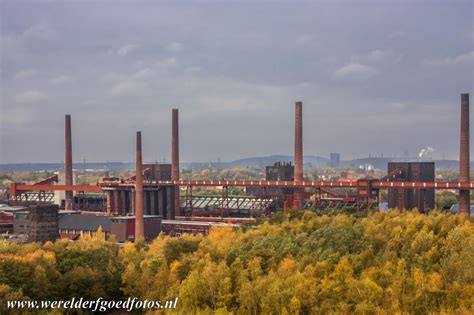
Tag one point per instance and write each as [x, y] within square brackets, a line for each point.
[370, 83]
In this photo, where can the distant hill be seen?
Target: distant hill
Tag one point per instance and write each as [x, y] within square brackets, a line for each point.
[261, 162]
[253, 162]
[382, 163]
[52, 167]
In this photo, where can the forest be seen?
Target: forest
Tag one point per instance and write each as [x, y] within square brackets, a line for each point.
[298, 263]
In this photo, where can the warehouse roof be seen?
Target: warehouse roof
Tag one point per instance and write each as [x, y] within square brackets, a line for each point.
[13, 208]
[82, 222]
[132, 217]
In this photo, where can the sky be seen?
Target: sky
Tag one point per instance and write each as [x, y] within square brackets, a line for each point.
[375, 77]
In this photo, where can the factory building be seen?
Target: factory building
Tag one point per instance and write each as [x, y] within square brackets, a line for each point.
[157, 200]
[157, 171]
[279, 171]
[74, 224]
[123, 228]
[178, 227]
[411, 198]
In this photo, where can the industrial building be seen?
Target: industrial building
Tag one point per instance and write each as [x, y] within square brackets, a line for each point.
[158, 200]
[71, 224]
[179, 227]
[74, 224]
[411, 172]
[123, 228]
[279, 171]
[153, 191]
[6, 217]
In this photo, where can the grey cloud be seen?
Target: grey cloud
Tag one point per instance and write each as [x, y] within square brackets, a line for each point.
[128, 88]
[61, 80]
[126, 50]
[369, 71]
[25, 74]
[354, 71]
[396, 34]
[447, 61]
[38, 32]
[174, 47]
[145, 73]
[31, 96]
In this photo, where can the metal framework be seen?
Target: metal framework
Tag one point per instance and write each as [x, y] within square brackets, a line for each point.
[246, 203]
[16, 189]
[325, 204]
[32, 196]
[335, 184]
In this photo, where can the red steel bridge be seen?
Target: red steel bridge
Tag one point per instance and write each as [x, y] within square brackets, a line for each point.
[16, 189]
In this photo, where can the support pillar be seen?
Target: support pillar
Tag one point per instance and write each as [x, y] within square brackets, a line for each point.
[161, 203]
[148, 202]
[116, 202]
[132, 201]
[401, 199]
[173, 192]
[125, 202]
[421, 200]
[152, 202]
[110, 202]
[119, 202]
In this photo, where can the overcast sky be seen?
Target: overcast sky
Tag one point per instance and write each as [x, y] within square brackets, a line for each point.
[374, 77]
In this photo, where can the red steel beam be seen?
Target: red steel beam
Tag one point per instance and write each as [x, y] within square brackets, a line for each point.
[48, 180]
[16, 188]
[54, 178]
[334, 184]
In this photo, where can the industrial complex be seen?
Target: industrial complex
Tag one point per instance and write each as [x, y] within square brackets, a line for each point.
[157, 200]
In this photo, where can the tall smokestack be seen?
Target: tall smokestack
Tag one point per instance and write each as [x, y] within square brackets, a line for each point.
[298, 159]
[464, 160]
[68, 161]
[175, 156]
[139, 231]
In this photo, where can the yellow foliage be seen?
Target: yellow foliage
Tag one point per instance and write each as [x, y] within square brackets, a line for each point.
[40, 256]
[435, 282]
[295, 306]
[220, 234]
[287, 267]
[385, 263]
